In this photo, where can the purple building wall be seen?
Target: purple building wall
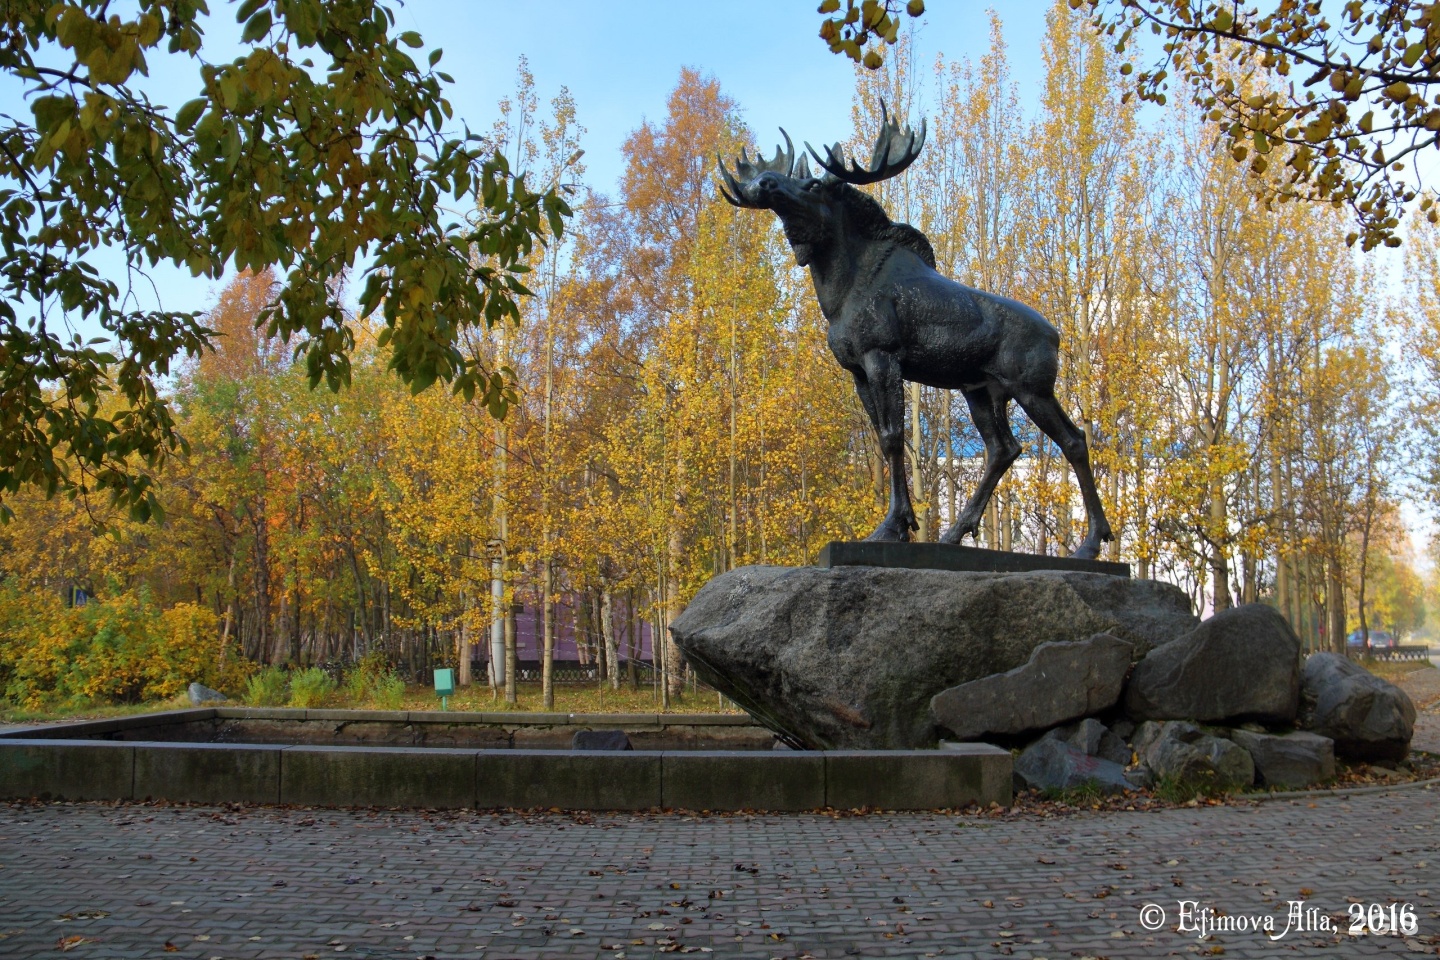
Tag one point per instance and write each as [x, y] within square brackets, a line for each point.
[529, 632]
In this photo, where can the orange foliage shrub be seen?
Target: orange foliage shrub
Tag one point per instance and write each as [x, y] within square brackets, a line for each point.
[122, 650]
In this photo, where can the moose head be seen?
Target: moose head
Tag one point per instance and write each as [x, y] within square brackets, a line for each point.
[809, 207]
[894, 318]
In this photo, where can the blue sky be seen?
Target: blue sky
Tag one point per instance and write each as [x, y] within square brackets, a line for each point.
[620, 61]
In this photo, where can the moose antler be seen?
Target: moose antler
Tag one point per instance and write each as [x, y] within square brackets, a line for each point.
[783, 163]
[894, 151]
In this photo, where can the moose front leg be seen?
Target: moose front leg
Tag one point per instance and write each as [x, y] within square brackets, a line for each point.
[885, 404]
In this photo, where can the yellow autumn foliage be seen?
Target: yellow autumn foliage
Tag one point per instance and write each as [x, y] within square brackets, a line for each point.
[122, 650]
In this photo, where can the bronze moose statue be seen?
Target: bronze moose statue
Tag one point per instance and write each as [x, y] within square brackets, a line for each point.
[894, 318]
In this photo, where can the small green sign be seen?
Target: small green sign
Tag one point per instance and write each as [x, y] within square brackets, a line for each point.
[445, 685]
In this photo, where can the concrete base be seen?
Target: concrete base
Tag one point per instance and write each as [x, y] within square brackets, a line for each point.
[948, 556]
[439, 777]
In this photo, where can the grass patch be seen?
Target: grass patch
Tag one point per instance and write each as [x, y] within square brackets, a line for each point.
[274, 687]
[1083, 795]
[19, 715]
[1173, 790]
[569, 698]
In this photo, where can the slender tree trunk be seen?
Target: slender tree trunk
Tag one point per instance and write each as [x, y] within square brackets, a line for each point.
[547, 652]
[1219, 563]
[1335, 603]
[229, 608]
[607, 629]
[632, 632]
[673, 680]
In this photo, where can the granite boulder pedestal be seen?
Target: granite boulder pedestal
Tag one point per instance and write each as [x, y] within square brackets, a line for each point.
[1092, 677]
[850, 656]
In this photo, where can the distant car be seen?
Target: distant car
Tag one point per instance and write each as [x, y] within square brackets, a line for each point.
[1379, 640]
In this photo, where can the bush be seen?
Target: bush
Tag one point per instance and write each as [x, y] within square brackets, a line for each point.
[124, 649]
[388, 692]
[309, 687]
[362, 679]
[268, 688]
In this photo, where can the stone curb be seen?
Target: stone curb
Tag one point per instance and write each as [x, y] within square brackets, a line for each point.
[719, 780]
[1338, 791]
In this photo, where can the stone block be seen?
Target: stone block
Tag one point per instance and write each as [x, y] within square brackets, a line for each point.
[573, 781]
[67, 770]
[207, 772]
[1094, 739]
[1242, 663]
[1053, 764]
[377, 776]
[916, 779]
[1060, 682]
[1367, 717]
[757, 780]
[1294, 760]
[1184, 753]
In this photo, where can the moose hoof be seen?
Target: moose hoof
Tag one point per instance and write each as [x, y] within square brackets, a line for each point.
[958, 533]
[890, 532]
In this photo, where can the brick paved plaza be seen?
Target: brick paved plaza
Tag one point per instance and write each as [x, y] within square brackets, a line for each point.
[200, 882]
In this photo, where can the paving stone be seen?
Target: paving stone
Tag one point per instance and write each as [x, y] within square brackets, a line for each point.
[513, 886]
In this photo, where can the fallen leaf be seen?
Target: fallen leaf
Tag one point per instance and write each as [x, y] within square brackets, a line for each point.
[67, 944]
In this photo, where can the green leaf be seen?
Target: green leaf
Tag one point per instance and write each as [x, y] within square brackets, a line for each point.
[189, 113]
[257, 27]
[411, 39]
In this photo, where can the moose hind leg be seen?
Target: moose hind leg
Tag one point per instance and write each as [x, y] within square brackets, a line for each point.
[988, 409]
[1051, 418]
[886, 407]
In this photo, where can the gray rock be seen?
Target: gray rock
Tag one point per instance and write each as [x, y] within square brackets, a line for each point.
[1145, 734]
[600, 740]
[1293, 760]
[1094, 739]
[1060, 681]
[1123, 728]
[849, 657]
[1185, 753]
[1368, 718]
[1242, 663]
[1140, 777]
[1050, 764]
[199, 694]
